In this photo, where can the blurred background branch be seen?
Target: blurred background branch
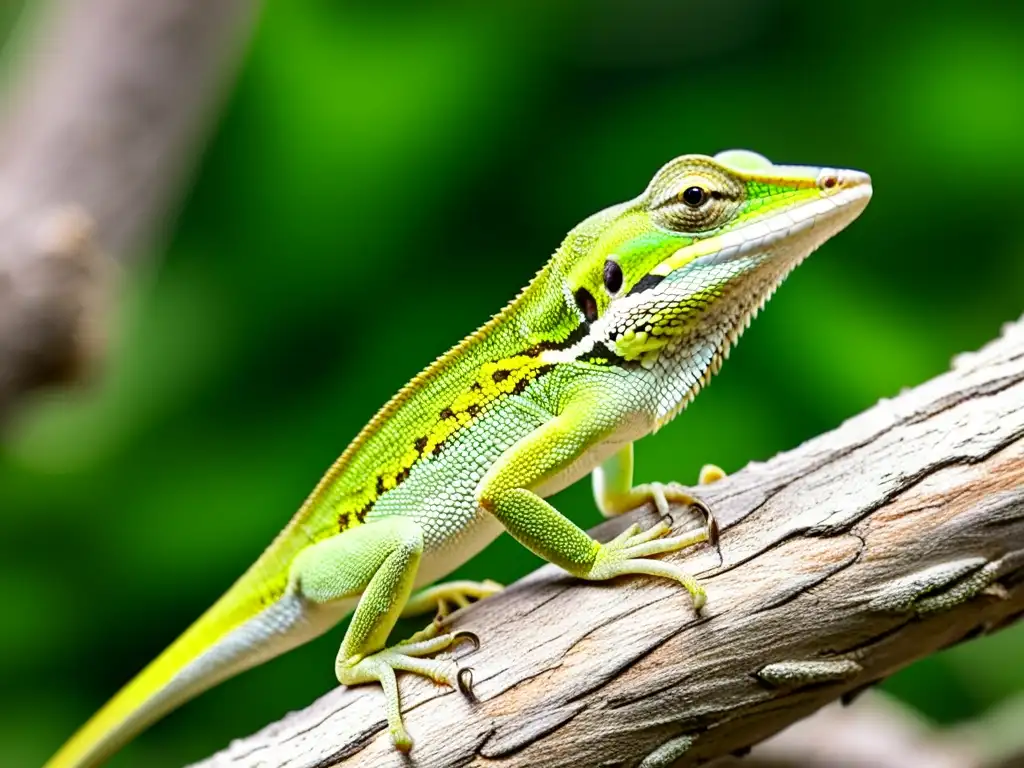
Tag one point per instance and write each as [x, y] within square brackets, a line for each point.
[879, 731]
[102, 121]
[897, 535]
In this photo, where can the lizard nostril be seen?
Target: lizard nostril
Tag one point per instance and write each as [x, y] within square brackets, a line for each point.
[588, 306]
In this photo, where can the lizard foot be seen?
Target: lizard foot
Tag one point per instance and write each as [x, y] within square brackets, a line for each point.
[663, 495]
[630, 553]
[448, 597]
[408, 656]
[710, 473]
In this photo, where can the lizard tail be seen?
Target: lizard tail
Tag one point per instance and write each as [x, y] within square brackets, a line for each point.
[239, 631]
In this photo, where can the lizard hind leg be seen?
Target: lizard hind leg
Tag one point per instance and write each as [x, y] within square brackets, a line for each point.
[378, 562]
[441, 597]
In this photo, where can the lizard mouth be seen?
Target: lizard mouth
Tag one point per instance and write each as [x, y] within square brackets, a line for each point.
[844, 194]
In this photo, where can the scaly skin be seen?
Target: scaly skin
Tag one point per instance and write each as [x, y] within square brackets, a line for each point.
[613, 337]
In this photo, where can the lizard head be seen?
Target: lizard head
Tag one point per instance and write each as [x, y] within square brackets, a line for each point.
[668, 281]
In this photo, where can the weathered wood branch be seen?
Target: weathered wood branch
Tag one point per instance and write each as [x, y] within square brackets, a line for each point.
[97, 136]
[896, 535]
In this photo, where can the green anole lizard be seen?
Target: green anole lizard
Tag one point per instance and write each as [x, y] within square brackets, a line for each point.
[614, 336]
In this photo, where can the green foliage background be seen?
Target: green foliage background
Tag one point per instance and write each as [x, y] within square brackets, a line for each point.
[385, 176]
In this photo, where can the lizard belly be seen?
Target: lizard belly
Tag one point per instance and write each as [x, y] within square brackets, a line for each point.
[441, 560]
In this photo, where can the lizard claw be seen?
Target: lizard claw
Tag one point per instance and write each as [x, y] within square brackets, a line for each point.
[471, 637]
[712, 523]
[696, 503]
[464, 678]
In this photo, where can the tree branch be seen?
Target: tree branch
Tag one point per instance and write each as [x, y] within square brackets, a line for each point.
[98, 137]
[896, 535]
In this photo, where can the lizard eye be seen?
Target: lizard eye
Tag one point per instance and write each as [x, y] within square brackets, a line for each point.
[612, 276]
[694, 196]
[697, 202]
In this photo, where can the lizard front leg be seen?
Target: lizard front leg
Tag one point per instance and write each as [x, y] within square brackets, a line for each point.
[506, 491]
[378, 561]
[615, 493]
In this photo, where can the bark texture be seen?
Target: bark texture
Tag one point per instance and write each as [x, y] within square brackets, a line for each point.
[97, 134]
[896, 535]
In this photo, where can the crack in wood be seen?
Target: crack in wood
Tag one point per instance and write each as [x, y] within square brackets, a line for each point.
[802, 588]
[515, 733]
